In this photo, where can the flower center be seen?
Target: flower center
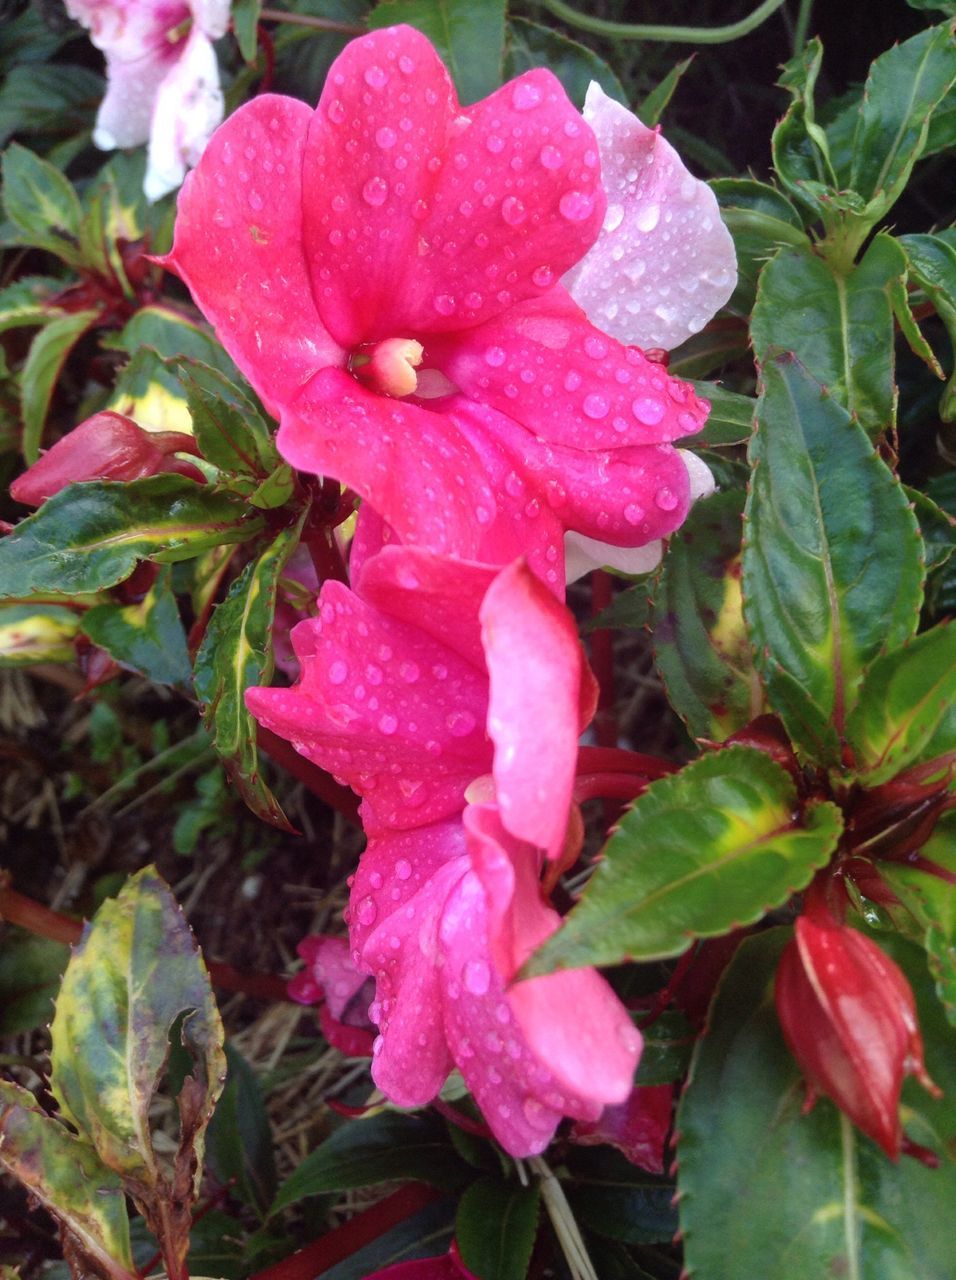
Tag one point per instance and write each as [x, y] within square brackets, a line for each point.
[389, 367]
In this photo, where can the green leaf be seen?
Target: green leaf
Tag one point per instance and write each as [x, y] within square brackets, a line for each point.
[766, 1190]
[931, 900]
[426, 1234]
[236, 653]
[936, 527]
[31, 633]
[628, 611]
[832, 565]
[667, 1046]
[239, 1140]
[377, 1148]
[171, 335]
[66, 1176]
[712, 848]
[839, 325]
[90, 536]
[147, 637]
[932, 265]
[700, 643]
[495, 1228]
[799, 146]
[230, 431]
[902, 700]
[470, 38]
[655, 104]
[41, 203]
[903, 89]
[730, 420]
[30, 971]
[45, 100]
[531, 45]
[47, 356]
[245, 21]
[619, 1200]
[136, 970]
[28, 302]
[760, 219]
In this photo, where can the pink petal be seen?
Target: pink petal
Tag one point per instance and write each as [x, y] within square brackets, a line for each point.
[664, 262]
[330, 963]
[637, 1127]
[536, 670]
[189, 106]
[546, 366]
[431, 216]
[627, 497]
[238, 247]
[439, 596]
[397, 902]
[412, 465]
[572, 1020]
[353, 1042]
[444, 1268]
[382, 705]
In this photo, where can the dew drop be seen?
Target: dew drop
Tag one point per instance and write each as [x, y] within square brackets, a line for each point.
[386, 137]
[666, 499]
[494, 144]
[525, 96]
[367, 911]
[375, 77]
[495, 357]
[460, 723]
[444, 304]
[596, 406]
[409, 672]
[614, 217]
[648, 411]
[403, 869]
[543, 277]
[406, 65]
[375, 191]
[255, 201]
[338, 672]
[513, 211]
[575, 206]
[388, 724]
[336, 111]
[551, 157]
[572, 380]
[477, 977]
[595, 346]
[535, 1114]
[633, 514]
[375, 880]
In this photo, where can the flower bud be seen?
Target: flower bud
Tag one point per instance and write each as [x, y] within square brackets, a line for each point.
[848, 1015]
[107, 446]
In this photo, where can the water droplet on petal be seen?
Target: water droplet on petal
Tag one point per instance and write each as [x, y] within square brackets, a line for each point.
[614, 217]
[575, 206]
[648, 411]
[596, 406]
[595, 346]
[572, 380]
[633, 514]
[543, 277]
[666, 499]
[387, 725]
[460, 723]
[444, 304]
[409, 672]
[386, 137]
[476, 977]
[338, 672]
[403, 869]
[495, 357]
[367, 911]
[336, 111]
[494, 144]
[513, 211]
[535, 1114]
[375, 191]
[375, 77]
[405, 64]
[525, 96]
[551, 157]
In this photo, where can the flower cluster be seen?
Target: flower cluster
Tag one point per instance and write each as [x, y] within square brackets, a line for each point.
[410, 284]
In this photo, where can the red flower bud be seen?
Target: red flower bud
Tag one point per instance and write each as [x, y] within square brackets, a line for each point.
[849, 1018]
[107, 446]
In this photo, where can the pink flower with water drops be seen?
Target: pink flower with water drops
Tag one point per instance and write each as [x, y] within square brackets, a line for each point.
[162, 79]
[386, 271]
[451, 696]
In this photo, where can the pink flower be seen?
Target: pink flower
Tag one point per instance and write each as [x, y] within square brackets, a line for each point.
[637, 1127]
[386, 271]
[399, 681]
[107, 446]
[163, 79]
[331, 978]
[848, 1015]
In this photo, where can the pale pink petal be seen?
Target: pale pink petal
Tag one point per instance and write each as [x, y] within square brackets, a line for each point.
[546, 366]
[572, 1020]
[380, 704]
[439, 596]
[329, 962]
[415, 467]
[638, 1128]
[189, 106]
[238, 247]
[582, 554]
[126, 112]
[398, 897]
[127, 29]
[423, 216]
[536, 669]
[665, 262]
[211, 16]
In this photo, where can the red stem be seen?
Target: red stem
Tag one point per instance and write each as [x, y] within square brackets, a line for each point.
[267, 45]
[617, 760]
[16, 908]
[617, 786]
[602, 660]
[325, 554]
[310, 775]
[353, 1235]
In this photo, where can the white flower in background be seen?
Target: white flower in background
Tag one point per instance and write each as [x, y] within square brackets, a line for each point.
[162, 79]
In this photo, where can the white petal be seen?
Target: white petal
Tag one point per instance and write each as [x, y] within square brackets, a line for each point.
[664, 262]
[189, 107]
